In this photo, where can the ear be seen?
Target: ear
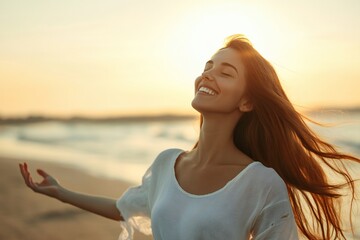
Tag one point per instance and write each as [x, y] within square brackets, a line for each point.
[245, 105]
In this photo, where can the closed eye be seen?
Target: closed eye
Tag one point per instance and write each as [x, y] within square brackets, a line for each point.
[227, 74]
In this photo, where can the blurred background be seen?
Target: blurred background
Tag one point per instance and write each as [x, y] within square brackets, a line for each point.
[104, 86]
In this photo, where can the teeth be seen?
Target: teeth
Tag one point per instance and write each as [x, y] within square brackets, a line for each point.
[207, 90]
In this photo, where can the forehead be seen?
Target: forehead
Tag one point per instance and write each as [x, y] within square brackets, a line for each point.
[228, 55]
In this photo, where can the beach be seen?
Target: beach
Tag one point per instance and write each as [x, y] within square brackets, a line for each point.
[28, 215]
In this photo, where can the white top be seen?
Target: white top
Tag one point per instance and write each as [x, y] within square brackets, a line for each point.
[253, 205]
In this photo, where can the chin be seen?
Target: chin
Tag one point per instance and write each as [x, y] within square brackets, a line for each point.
[211, 109]
[197, 106]
[202, 109]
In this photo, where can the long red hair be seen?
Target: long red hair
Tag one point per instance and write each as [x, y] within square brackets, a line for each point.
[275, 134]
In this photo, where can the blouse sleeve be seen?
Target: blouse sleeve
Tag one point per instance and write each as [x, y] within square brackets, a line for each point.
[134, 208]
[275, 222]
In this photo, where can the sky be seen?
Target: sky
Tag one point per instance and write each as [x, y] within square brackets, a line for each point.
[126, 57]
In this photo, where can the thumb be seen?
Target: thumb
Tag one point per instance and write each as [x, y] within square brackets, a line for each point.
[42, 173]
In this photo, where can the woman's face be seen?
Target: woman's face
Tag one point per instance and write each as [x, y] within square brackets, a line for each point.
[221, 87]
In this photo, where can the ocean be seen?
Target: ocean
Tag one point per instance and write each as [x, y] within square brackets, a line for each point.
[124, 150]
[120, 150]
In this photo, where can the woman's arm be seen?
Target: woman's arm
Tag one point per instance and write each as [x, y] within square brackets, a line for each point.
[49, 186]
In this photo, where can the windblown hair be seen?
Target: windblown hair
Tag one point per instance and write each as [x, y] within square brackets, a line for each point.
[275, 134]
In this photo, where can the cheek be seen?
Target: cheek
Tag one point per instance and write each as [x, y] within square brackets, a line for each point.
[230, 87]
[233, 93]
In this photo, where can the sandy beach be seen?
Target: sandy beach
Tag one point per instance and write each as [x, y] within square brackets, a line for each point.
[28, 215]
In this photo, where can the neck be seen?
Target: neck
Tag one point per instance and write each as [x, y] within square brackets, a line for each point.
[216, 138]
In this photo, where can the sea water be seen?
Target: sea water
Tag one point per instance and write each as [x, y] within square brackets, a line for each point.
[115, 150]
[124, 150]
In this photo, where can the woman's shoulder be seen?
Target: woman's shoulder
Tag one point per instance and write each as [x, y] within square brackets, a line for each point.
[166, 157]
[162, 162]
[264, 171]
[168, 154]
[266, 177]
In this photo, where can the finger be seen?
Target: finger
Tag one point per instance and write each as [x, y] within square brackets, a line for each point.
[33, 185]
[21, 166]
[23, 172]
[27, 177]
[26, 170]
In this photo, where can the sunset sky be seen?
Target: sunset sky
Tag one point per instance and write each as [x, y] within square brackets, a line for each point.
[119, 57]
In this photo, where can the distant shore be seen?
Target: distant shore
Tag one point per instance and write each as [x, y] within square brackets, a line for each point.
[27, 215]
[137, 118]
[82, 119]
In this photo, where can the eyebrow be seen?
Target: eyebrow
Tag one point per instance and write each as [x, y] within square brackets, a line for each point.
[224, 64]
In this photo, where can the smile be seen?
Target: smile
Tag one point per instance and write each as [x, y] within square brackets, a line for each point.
[207, 91]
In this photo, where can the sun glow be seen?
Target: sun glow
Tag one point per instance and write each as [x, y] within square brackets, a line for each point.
[203, 30]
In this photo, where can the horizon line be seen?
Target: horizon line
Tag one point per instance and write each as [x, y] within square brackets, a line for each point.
[165, 116]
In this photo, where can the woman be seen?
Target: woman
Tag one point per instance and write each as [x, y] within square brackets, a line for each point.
[253, 174]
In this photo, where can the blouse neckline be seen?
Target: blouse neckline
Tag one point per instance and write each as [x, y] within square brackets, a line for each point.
[218, 191]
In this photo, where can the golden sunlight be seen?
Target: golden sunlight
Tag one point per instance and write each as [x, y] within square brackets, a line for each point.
[203, 29]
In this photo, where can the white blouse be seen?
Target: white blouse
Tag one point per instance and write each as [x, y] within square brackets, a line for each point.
[253, 205]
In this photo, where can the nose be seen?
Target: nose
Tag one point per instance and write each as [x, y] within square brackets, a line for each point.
[207, 76]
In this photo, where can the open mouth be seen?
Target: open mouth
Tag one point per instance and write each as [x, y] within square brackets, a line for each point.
[207, 90]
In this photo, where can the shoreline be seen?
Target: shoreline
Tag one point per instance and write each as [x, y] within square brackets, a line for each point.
[28, 215]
